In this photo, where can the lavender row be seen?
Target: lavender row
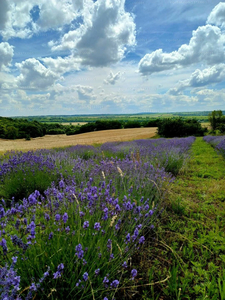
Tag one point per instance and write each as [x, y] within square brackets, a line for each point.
[216, 141]
[76, 238]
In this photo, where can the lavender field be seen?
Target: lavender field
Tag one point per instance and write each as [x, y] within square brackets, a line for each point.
[216, 141]
[74, 219]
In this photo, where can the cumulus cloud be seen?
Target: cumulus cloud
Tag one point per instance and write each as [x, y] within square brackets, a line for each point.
[104, 36]
[54, 14]
[206, 45]
[112, 78]
[17, 16]
[4, 9]
[34, 75]
[85, 92]
[61, 65]
[217, 16]
[200, 78]
[6, 55]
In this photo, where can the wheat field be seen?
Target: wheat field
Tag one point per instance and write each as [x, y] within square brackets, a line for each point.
[62, 140]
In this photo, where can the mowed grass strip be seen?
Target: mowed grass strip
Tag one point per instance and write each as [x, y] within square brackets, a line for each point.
[190, 242]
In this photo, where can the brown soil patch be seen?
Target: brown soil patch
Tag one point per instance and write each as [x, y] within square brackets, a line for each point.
[62, 140]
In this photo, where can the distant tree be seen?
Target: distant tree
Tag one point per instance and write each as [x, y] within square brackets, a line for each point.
[11, 132]
[215, 118]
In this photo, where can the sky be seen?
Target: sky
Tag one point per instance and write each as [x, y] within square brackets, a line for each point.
[72, 57]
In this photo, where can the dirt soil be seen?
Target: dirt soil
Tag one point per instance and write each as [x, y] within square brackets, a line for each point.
[62, 140]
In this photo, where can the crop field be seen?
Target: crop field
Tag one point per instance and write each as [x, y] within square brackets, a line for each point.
[140, 219]
[62, 140]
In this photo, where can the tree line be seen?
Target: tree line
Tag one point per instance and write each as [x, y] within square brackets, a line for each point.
[16, 128]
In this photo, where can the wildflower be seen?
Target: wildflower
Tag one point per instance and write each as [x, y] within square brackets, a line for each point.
[111, 256]
[85, 276]
[81, 214]
[57, 217]
[105, 281]
[109, 244]
[67, 229]
[141, 240]
[79, 251]
[4, 246]
[133, 273]
[58, 273]
[127, 238]
[115, 283]
[124, 265]
[61, 184]
[65, 217]
[97, 226]
[14, 259]
[50, 235]
[86, 224]
[97, 271]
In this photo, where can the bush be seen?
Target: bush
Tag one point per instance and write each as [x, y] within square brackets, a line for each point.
[132, 124]
[178, 127]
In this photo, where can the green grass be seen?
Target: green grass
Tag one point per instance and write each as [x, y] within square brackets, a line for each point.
[189, 251]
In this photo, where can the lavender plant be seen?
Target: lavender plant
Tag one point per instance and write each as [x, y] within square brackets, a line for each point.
[218, 142]
[75, 240]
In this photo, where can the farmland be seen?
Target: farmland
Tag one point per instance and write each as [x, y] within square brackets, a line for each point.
[143, 219]
[54, 141]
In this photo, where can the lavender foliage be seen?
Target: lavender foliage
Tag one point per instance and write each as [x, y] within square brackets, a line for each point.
[94, 215]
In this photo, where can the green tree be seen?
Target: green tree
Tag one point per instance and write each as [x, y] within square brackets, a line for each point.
[215, 119]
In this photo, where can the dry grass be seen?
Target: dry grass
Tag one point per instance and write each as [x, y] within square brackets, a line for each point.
[98, 137]
[74, 123]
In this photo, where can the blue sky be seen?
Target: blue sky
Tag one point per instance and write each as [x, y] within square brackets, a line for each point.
[111, 56]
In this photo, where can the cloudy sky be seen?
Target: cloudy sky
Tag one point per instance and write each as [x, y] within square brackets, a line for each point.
[111, 56]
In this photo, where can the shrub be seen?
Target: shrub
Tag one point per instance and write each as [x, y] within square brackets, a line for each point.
[178, 127]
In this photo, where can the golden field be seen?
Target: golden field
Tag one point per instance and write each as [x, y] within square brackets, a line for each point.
[62, 140]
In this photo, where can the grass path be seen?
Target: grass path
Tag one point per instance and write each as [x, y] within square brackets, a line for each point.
[191, 236]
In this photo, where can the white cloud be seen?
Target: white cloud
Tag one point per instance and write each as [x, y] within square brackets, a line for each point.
[85, 92]
[217, 16]
[54, 14]
[16, 19]
[200, 78]
[34, 75]
[104, 36]
[206, 45]
[4, 9]
[6, 55]
[61, 65]
[112, 78]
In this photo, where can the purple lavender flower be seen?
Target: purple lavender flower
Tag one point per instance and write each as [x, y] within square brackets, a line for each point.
[133, 273]
[33, 287]
[115, 283]
[97, 271]
[61, 184]
[79, 251]
[97, 226]
[67, 229]
[59, 271]
[50, 235]
[109, 244]
[4, 246]
[141, 240]
[105, 281]
[65, 217]
[81, 214]
[14, 259]
[86, 224]
[124, 265]
[85, 276]
[57, 217]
